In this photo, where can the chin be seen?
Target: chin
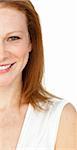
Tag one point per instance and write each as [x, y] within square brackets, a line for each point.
[9, 81]
[4, 83]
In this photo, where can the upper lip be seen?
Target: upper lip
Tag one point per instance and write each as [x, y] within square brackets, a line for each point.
[7, 64]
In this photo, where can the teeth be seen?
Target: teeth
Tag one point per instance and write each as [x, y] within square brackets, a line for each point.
[4, 67]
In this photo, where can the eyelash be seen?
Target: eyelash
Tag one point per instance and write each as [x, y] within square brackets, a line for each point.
[14, 38]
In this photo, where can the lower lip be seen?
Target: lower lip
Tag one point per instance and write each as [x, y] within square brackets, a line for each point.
[6, 70]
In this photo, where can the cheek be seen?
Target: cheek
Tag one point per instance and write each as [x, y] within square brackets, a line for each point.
[22, 54]
[19, 51]
[24, 61]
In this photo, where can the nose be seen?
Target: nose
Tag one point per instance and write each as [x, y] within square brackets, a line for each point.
[2, 50]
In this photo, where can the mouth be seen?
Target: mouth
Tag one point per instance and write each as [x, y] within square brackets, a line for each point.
[7, 64]
[6, 67]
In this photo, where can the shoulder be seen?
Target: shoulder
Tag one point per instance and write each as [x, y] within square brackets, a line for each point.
[66, 137]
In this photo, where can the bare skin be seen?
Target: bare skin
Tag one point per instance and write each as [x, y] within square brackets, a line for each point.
[67, 135]
[11, 122]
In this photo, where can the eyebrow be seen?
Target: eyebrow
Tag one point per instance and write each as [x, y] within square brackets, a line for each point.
[14, 32]
[7, 34]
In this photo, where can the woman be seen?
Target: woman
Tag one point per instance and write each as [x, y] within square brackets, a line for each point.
[30, 117]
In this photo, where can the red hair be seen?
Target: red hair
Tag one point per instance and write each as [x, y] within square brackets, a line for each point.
[32, 88]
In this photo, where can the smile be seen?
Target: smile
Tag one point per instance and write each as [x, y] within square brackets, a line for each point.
[5, 68]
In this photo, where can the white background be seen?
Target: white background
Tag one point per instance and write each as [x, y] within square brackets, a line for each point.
[58, 21]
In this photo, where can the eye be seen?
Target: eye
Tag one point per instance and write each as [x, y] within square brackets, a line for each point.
[13, 38]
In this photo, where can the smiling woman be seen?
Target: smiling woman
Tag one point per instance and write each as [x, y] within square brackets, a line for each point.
[15, 45]
[30, 117]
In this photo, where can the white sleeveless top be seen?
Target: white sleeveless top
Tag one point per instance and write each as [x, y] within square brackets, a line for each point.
[40, 129]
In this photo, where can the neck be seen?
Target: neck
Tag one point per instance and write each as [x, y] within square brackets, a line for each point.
[10, 96]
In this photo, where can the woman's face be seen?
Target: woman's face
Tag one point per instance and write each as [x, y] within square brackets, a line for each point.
[14, 45]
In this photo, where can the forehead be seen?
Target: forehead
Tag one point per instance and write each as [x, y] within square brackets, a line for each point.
[10, 17]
